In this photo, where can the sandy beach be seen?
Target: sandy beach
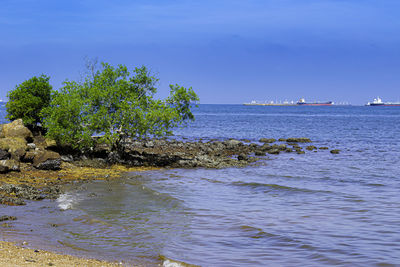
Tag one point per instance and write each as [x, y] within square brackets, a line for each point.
[13, 255]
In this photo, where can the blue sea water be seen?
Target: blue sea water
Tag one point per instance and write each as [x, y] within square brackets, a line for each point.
[316, 209]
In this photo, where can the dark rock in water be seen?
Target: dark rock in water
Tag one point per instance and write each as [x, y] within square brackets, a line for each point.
[4, 154]
[324, 148]
[22, 191]
[298, 140]
[281, 147]
[259, 153]
[267, 140]
[300, 152]
[335, 151]
[311, 148]
[273, 151]
[47, 160]
[265, 147]
[288, 150]
[7, 218]
[282, 139]
[11, 201]
[7, 165]
[242, 157]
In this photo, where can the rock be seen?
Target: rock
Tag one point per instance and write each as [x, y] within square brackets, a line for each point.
[17, 129]
[47, 160]
[242, 157]
[11, 201]
[267, 140]
[273, 151]
[324, 148]
[335, 151]
[259, 153]
[18, 154]
[233, 143]
[13, 144]
[44, 143]
[31, 146]
[298, 140]
[311, 148]
[281, 147]
[29, 156]
[300, 152]
[7, 218]
[67, 158]
[7, 165]
[4, 154]
[266, 147]
[282, 139]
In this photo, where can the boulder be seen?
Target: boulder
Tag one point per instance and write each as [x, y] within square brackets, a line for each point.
[47, 160]
[12, 144]
[16, 129]
[7, 165]
[335, 151]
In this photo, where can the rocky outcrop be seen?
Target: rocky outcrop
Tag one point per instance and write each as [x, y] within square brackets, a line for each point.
[17, 144]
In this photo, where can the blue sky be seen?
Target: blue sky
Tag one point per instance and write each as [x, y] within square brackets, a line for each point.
[228, 51]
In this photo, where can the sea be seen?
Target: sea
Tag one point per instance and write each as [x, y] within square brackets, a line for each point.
[314, 209]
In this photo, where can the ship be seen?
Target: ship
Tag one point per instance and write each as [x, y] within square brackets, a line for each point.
[271, 103]
[302, 102]
[378, 102]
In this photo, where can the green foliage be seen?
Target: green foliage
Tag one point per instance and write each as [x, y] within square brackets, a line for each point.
[28, 99]
[114, 104]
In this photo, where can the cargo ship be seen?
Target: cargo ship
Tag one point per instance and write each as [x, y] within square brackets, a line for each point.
[302, 102]
[271, 103]
[378, 102]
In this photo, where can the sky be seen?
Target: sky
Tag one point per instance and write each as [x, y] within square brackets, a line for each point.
[228, 51]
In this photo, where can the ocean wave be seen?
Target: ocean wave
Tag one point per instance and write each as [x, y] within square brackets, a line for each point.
[277, 187]
[68, 200]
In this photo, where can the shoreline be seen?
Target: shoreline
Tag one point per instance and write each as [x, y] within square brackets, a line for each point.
[14, 254]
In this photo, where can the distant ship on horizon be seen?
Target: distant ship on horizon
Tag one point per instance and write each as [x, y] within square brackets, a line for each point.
[301, 102]
[378, 102]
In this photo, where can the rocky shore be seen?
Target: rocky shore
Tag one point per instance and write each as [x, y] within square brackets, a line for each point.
[34, 168]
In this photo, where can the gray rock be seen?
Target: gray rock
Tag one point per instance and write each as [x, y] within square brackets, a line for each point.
[7, 165]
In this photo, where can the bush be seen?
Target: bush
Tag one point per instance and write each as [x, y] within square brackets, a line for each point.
[28, 99]
[115, 104]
